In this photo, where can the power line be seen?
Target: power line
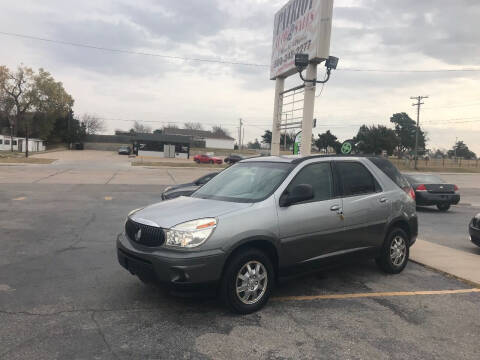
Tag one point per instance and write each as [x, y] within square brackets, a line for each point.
[218, 61]
[95, 47]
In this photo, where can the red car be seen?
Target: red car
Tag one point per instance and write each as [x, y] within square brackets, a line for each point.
[206, 159]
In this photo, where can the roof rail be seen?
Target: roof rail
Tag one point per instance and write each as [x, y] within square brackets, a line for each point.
[305, 158]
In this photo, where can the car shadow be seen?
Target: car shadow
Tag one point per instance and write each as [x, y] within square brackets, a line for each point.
[425, 209]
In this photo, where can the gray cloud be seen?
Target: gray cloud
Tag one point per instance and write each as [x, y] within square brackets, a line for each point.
[180, 21]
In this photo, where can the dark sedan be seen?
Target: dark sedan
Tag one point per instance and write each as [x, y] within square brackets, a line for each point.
[474, 229]
[432, 190]
[232, 159]
[187, 189]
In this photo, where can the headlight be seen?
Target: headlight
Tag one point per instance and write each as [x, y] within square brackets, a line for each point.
[191, 233]
[167, 188]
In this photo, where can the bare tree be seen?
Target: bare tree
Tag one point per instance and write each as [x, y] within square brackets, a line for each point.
[92, 124]
[219, 130]
[139, 128]
[193, 126]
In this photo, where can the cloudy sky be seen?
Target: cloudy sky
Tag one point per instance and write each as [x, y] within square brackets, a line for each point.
[367, 34]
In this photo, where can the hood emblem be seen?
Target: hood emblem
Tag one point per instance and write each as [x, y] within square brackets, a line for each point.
[138, 235]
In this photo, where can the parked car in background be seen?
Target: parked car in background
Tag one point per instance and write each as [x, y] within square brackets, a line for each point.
[474, 229]
[269, 217]
[432, 190]
[124, 150]
[207, 159]
[232, 159]
[187, 189]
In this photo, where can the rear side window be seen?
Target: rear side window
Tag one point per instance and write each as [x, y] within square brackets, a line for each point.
[319, 176]
[356, 178]
[391, 171]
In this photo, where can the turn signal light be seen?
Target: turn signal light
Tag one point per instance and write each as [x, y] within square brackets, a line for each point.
[421, 188]
[455, 188]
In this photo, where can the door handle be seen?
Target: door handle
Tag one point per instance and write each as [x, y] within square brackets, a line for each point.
[337, 208]
[383, 199]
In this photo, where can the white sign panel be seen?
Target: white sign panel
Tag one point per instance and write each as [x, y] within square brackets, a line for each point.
[301, 26]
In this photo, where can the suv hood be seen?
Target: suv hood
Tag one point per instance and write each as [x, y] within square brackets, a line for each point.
[167, 214]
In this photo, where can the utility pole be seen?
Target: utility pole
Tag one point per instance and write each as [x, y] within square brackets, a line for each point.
[455, 147]
[243, 136]
[417, 104]
[240, 134]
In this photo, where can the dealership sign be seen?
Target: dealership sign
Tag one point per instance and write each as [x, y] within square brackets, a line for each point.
[301, 26]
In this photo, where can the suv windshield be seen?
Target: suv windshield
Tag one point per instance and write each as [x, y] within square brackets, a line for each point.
[245, 182]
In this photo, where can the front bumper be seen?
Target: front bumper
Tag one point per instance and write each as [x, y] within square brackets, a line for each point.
[426, 198]
[474, 234]
[183, 270]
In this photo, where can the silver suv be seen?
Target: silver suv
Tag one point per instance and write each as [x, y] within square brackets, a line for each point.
[269, 217]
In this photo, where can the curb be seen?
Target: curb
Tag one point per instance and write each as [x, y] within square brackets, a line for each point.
[466, 281]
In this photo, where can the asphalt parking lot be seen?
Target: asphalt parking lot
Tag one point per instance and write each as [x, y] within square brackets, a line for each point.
[64, 296]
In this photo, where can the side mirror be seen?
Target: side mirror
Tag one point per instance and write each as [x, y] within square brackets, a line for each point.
[299, 193]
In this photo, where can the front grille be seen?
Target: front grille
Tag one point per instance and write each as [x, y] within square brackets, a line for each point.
[149, 236]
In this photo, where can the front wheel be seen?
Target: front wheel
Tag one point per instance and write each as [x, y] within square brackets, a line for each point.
[395, 252]
[248, 281]
[443, 207]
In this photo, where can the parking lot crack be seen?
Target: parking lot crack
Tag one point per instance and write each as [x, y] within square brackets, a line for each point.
[111, 177]
[171, 176]
[102, 334]
[78, 238]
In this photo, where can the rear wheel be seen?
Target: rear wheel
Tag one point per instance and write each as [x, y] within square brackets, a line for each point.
[443, 207]
[395, 252]
[248, 281]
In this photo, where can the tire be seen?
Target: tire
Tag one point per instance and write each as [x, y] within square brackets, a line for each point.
[197, 161]
[443, 207]
[231, 280]
[386, 261]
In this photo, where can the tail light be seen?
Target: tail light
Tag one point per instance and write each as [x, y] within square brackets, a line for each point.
[410, 192]
[421, 188]
[455, 188]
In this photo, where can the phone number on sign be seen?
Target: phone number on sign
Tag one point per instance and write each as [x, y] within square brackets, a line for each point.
[290, 54]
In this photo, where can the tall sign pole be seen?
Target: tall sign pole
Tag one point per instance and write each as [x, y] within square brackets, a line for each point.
[277, 113]
[299, 27]
[308, 108]
[417, 104]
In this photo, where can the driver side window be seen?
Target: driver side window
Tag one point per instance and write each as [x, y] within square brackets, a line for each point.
[319, 176]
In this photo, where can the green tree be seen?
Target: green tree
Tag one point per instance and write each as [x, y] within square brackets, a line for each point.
[460, 149]
[375, 139]
[326, 140]
[32, 100]
[405, 129]
[267, 137]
